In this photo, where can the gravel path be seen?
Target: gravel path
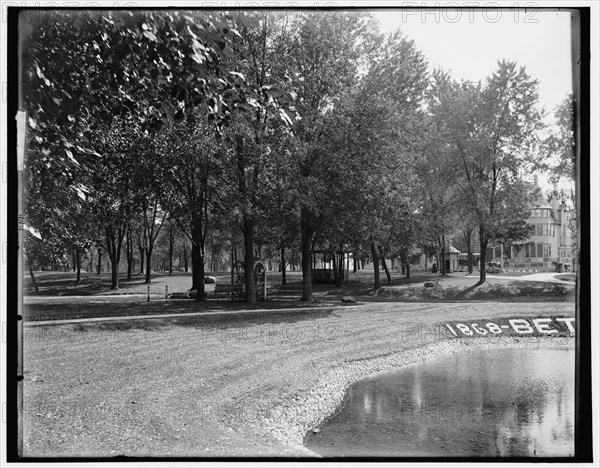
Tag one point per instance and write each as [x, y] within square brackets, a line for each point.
[229, 385]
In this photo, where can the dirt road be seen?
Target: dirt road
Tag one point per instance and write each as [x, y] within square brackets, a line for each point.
[221, 385]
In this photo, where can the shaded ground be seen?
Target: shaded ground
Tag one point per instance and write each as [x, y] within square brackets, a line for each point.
[75, 307]
[63, 284]
[456, 286]
[492, 290]
[566, 277]
[209, 386]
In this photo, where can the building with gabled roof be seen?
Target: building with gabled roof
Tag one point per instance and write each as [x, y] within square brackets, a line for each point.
[551, 246]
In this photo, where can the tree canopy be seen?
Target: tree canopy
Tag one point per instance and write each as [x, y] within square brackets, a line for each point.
[273, 133]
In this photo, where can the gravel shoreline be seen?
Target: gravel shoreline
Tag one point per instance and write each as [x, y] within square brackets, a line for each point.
[325, 398]
[246, 385]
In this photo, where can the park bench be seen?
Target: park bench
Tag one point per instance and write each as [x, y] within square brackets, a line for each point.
[179, 295]
[222, 289]
[289, 290]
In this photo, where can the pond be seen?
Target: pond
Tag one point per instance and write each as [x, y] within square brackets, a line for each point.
[510, 402]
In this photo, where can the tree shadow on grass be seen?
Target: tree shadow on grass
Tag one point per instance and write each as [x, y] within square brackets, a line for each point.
[63, 284]
[206, 322]
[464, 292]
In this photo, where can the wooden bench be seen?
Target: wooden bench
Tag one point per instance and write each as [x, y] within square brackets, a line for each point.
[289, 290]
[180, 295]
[222, 289]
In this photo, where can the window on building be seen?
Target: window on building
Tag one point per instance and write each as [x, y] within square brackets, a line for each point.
[546, 250]
[541, 213]
[540, 248]
[531, 250]
[544, 230]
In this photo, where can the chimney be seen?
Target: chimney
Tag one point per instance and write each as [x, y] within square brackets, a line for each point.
[555, 187]
[535, 179]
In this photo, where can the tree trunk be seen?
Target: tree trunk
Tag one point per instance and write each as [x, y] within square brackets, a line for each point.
[129, 267]
[91, 264]
[148, 265]
[336, 272]
[197, 259]
[283, 277]
[355, 261]
[250, 285]
[129, 255]
[200, 292]
[171, 245]
[185, 257]
[99, 261]
[114, 280]
[443, 269]
[114, 241]
[341, 267]
[482, 261]
[78, 265]
[408, 270]
[195, 265]
[142, 258]
[31, 275]
[385, 268]
[375, 254]
[307, 231]
[470, 257]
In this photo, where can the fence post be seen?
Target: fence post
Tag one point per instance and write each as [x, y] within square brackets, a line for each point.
[166, 291]
[148, 293]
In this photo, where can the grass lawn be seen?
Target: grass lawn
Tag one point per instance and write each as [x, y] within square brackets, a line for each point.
[59, 298]
[63, 283]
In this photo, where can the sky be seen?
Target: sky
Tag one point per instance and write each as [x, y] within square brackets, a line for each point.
[470, 42]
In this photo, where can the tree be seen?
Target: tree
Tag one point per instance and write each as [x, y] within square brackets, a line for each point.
[393, 90]
[560, 145]
[559, 152]
[112, 190]
[322, 61]
[191, 158]
[84, 69]
[493, 128]
[438, 172]
[343, 78]
[255, 127]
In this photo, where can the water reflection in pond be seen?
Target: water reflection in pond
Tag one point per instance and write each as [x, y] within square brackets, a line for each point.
[498, 402]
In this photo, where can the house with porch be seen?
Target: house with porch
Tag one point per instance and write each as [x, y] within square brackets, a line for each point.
[550, 246]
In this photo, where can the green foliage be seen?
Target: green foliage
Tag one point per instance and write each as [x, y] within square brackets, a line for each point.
[490, 130]
[560, 145]
[291, 130]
